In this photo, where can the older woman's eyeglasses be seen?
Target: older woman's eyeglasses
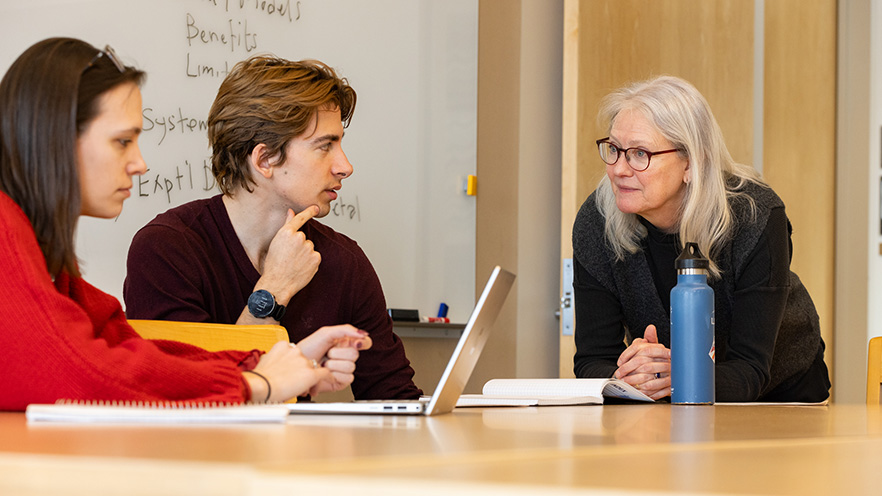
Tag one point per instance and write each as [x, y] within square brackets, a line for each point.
[637, 158]
[110, 54]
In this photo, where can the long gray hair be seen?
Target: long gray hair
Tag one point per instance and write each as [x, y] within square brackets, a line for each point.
[681, 114]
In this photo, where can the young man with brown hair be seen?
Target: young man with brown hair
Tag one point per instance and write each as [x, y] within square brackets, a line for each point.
[254, 254]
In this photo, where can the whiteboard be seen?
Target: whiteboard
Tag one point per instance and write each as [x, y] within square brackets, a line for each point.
[412, 140]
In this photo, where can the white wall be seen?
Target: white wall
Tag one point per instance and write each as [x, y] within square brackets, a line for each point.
[539, 185]
[857, 276]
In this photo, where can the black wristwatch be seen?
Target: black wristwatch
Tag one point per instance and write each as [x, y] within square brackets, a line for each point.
[263, 304]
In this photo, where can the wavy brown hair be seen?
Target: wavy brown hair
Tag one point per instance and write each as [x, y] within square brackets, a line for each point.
[269, 100]
[48, 97]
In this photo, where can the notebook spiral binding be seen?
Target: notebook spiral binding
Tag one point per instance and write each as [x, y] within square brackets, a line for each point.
[181, 405]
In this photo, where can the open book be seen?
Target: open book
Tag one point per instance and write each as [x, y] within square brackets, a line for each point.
[548, 392]
[112, 412]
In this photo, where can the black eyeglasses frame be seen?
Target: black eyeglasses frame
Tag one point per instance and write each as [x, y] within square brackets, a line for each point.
[624, 151]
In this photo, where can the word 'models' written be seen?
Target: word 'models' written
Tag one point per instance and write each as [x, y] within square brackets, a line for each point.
[281, 9]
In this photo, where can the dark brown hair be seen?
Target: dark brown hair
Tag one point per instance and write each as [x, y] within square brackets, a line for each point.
[268, 100]
[48, 97]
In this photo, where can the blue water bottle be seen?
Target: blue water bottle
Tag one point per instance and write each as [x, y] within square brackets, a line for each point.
[692, 331]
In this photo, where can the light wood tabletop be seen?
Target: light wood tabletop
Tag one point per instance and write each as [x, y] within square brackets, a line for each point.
[741, 449]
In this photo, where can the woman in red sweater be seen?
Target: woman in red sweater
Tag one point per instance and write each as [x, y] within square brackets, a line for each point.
[70, 117]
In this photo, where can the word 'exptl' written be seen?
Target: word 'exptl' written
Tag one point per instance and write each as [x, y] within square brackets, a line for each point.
[151, 184]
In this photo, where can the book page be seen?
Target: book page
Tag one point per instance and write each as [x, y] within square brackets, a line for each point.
[485, 400]
[616, 388]
[539, 388]
[466, 400]
[545, 387]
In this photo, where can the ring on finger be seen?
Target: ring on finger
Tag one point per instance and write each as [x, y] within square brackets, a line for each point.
[315, 364]
[658, 375]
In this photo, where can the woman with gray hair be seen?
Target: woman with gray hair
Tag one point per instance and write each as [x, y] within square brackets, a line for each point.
[670, 180]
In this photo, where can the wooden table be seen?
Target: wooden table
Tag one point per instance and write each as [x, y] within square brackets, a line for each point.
[753, 449]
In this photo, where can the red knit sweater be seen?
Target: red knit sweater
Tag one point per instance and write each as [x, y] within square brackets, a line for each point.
[68, 340]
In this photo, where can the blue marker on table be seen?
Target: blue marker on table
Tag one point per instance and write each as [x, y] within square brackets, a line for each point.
[442, 310]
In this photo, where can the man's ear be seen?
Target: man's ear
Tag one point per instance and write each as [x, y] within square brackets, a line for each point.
[260, 161]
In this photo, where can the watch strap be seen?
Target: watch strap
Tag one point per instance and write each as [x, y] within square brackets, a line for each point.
[278, 310]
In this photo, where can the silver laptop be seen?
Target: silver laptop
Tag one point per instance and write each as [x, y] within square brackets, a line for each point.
[458, 370]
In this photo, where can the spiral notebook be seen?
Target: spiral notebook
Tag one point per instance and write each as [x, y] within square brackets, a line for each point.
[113, 412]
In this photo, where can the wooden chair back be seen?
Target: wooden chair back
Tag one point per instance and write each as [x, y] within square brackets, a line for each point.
[213, 337]
[874, 371]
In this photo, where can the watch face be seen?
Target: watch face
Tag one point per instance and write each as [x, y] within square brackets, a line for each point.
[261, 303]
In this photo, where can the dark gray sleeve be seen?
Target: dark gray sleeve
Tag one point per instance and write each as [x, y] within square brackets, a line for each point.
[760, 300]
[599, 332]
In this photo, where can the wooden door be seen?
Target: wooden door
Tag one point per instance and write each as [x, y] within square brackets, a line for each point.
[608, 43]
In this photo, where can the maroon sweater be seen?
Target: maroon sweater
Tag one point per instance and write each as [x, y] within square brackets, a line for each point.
[188, 264]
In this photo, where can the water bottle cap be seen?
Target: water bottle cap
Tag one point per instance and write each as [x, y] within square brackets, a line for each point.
[691, 258]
